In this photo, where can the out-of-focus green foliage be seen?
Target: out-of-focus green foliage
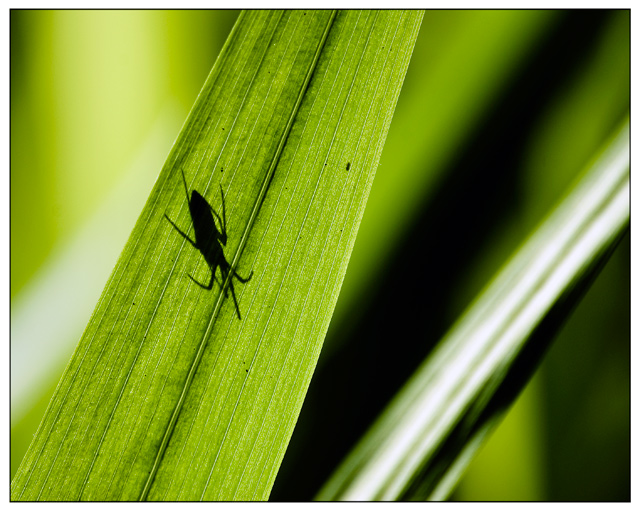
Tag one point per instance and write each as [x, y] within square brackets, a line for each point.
[426, 437]
[86, 88]
[491, 100]
[460, 66]
[578, 116]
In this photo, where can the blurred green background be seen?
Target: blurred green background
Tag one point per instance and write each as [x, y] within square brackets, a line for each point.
[499, 113]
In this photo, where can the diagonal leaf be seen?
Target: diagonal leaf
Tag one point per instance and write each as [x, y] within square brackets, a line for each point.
[425, 438]
[180, 392]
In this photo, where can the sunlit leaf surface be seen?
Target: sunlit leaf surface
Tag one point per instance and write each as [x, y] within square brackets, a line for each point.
[189, 378]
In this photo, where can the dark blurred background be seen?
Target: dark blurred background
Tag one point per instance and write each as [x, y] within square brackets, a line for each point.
[499, 113]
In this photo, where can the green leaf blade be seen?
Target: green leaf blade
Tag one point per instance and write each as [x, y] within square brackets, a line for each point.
[169, 395]
[282, 341]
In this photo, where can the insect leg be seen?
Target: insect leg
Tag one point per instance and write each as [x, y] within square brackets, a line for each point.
[185, 236]
[224, 273]
[235, 301]
[202, 285]
[244, 281]
[213, 277]
[209, 286]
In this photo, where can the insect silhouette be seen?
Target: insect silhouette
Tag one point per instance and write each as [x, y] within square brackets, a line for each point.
[210, 241]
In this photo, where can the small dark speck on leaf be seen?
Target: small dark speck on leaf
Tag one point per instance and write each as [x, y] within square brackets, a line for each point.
[247, 370]
[348, 166]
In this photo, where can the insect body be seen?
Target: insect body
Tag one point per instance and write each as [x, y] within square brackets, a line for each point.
[209, 240]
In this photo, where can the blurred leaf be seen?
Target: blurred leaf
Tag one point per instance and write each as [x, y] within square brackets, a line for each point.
[543, 446]
[175, 392]
[50, 313]
[468, 58]
[75, 75]
[426, 437]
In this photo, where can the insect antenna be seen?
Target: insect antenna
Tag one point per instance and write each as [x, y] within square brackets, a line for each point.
[186, 189]
[224, 215]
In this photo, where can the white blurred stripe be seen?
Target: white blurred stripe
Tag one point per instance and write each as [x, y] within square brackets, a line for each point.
[50, 313]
